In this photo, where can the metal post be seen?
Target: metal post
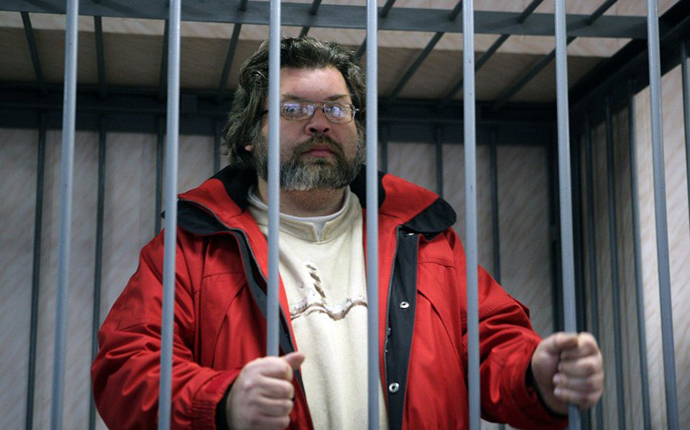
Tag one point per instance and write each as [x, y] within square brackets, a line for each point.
[613, 252]
[96, 314]
[66, 180]
[36, 275]
[639, 286]
[566, 214]
[660, 214]
[372, 221]
[471, 217]
[171, 164]
[685, 71]
[592, 252]
[273, 178]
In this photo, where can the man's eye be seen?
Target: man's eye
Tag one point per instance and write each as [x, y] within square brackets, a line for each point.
[292, 108]
[337, 110]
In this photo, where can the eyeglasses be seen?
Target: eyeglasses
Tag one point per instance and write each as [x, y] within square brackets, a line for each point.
[299, 110]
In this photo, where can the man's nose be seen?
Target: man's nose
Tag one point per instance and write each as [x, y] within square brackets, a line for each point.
[318, 124]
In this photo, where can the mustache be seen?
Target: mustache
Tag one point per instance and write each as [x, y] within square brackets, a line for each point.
[310, 144]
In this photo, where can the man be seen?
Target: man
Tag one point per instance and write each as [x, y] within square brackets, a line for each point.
[221, 378]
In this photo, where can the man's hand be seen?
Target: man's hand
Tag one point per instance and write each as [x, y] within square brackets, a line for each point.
[568, 368]
[261, 396]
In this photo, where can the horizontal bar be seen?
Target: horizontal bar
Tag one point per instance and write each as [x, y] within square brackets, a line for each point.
[350, 17]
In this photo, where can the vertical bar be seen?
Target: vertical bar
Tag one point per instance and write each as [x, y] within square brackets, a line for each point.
[66, 180]
[273, 177]
[372, 221]
[36, 274]
[639, 286]
[566, 213]
[615, 286]
[685, 72]
[96, 315]
[495, 231]
[438, 144]
[160, 143]
[592, 252]
[471, 216]
[660, 215]
[171, 164]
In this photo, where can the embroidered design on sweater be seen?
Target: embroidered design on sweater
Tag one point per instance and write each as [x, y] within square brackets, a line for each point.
[316, 300]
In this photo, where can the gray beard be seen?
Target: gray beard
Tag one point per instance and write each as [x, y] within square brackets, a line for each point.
[297, 175]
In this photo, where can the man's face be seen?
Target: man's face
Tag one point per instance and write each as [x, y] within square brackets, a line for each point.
[315, 153]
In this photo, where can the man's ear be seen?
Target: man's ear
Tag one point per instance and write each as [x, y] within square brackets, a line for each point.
[249, 148]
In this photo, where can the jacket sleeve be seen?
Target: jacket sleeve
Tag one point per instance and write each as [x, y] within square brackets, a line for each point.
[125, 373]
[506, 342]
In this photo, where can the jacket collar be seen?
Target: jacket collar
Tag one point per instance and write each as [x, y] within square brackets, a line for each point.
[221, 202]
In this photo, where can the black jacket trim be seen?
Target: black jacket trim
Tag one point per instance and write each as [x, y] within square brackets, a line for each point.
[359, 187]
[236, 183]
[401, 312]
[435, 219]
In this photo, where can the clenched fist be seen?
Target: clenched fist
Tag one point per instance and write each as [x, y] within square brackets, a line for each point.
[568, 368]
[262, 395]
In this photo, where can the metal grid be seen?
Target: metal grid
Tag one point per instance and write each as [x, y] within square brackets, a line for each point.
[627, 62]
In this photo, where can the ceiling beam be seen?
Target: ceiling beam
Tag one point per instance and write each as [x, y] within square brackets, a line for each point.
[348, 17]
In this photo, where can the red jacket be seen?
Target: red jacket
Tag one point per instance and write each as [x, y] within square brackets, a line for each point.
[220, 326]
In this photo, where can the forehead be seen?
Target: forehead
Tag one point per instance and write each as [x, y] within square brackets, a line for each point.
[313, 84]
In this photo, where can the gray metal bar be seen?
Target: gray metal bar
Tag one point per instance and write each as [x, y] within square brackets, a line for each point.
[313, 9]
[613, 253]
[372, 220]
[65, 238]
[98, 261]
[273, 178]
[158, 206]
[601, 10]
[685, 72]
[639, 284]
[383, 14]
[229, 57]
[438, 145]
[661, 220]
[495, 230]
[100, 55]
[36, 273]
[170, 248]
[33, 50]
[592, 251]
[566, 213]
[470, 143]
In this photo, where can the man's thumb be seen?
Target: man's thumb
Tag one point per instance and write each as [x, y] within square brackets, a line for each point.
[294, 359]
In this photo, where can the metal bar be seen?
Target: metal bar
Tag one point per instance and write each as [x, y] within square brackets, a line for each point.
[639, 284]
[601, 11]
[100, 55]
[158, 206]
[65, 239]
[33, 50]
[566, 212]
[313, 9]
[229, 57]
[216, 146]
[495, 230]
[383, 14]
[438, 145]
[592, 251]
[162, 77]
[471, 218]
[273, 178]
[372, 221]
[171, 167]
[36, 273]
[98, 261]
[661, 220]
[685, 72]
[613, 253]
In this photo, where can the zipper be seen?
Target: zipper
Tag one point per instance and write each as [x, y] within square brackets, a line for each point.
[388, 306]
[240, 232]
